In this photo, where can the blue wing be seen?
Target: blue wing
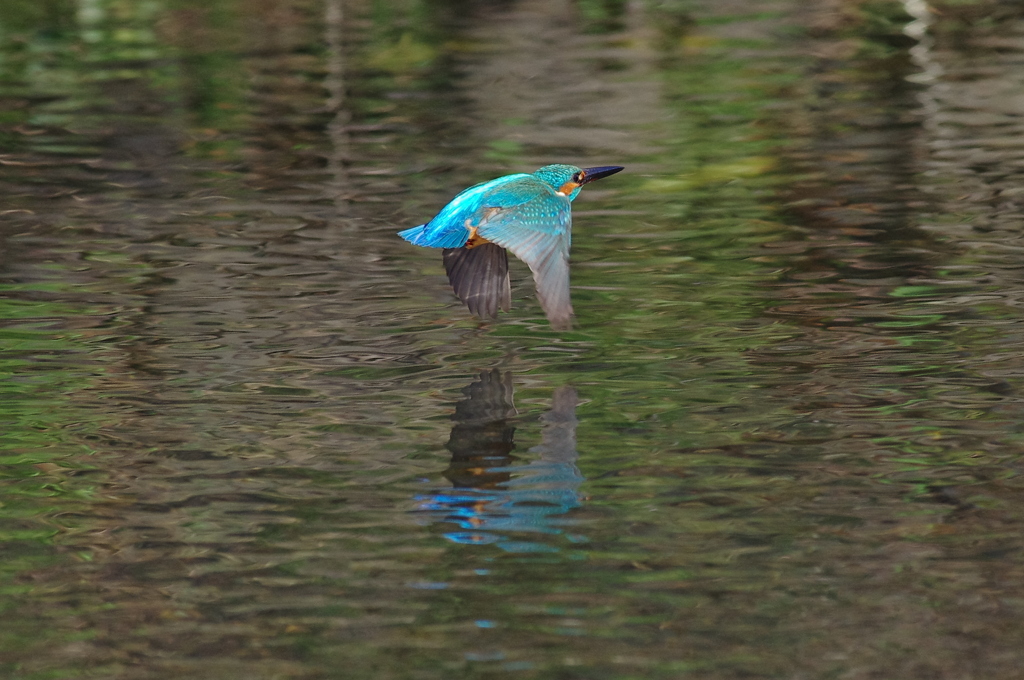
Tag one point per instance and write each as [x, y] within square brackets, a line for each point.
[529, 218]
[450, 227]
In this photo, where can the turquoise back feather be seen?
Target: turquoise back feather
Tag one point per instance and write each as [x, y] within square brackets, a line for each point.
[536, 193]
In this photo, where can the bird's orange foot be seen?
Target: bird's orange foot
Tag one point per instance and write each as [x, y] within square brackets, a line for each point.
[474, 239]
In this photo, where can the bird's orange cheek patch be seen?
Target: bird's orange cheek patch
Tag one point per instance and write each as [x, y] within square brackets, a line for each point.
[568, 188]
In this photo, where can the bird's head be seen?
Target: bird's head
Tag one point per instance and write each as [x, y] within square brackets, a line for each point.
[568, 179]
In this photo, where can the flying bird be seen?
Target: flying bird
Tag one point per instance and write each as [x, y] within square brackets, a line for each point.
[528, 214]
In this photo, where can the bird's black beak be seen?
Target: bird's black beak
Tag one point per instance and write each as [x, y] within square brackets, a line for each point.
[590, 174]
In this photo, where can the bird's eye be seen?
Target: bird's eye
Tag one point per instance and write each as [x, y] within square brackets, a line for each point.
[577, 178]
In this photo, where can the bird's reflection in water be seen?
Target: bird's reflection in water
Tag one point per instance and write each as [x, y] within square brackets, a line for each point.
[492, 499]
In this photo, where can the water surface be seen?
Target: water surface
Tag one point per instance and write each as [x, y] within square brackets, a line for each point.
[248, 432]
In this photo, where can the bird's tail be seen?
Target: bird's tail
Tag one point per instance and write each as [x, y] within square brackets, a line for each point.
[479, 277]
[414, 235]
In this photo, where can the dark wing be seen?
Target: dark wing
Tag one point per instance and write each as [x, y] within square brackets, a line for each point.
[535, 222]
[479, 276]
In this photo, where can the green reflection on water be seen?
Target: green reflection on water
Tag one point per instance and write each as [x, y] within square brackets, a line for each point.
[48, 475]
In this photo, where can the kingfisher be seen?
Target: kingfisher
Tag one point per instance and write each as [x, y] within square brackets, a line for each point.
[528, 214]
